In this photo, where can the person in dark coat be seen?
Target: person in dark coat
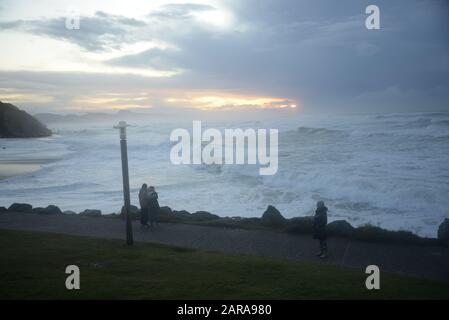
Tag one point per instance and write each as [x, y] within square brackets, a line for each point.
[153, 206]
[319, 228]
[143, 200]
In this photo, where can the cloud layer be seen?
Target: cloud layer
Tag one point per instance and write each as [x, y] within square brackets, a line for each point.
[316, 54]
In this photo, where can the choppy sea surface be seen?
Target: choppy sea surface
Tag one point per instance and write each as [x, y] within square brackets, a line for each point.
[389, 170]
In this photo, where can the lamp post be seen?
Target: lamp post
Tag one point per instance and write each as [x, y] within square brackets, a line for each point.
[129, 231]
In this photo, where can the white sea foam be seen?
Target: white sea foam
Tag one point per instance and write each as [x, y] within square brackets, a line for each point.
[389, 170]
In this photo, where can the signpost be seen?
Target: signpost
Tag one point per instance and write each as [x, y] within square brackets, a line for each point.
[129, 231]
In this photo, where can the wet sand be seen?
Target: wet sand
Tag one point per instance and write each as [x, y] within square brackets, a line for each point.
[16, 167]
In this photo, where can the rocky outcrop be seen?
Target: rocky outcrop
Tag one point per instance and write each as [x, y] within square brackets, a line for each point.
[300, 225]
[15, 123]
[166, 214]
[91, 213]
[443, 232]
[273, 217]
[165, 210]
[181, 213]
[341, 228]
[132, 210]
[51, 209]
[204, 216]
[21, 207]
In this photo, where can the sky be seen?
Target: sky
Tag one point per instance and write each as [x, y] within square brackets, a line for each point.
[306, 56]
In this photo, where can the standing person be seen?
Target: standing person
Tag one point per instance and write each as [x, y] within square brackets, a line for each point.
[143, 200]
[153, 206]
[319, 228]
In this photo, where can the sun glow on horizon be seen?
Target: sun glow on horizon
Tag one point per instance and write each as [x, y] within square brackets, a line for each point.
[177, 98]
[10, 95]
[156, 98]
[217, 101]
[134, 48]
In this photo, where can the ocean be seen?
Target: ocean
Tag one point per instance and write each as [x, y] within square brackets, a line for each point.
[388, 170]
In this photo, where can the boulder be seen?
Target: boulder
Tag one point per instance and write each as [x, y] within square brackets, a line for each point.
[372, 233]
[16, 123]
[38, 210]
[273, 217]
[134, 212]
[300, 225]
[70, 212]
[21, 207]
[340, 228]
[91, 213]
[168, 215]
[3, 210]
[204, 216]
[51, 209]
[165, 210]
[181, 214]
[165, 214]
[443, 232]
[112, 215]
[175, 215]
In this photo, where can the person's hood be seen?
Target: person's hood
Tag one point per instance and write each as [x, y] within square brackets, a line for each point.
[322, 209]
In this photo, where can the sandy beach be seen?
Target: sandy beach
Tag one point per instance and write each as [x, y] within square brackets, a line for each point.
[11, 168]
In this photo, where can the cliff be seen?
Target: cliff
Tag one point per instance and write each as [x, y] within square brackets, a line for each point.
[16, 123]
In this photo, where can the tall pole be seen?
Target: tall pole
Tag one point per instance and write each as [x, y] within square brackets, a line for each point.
[123, 145]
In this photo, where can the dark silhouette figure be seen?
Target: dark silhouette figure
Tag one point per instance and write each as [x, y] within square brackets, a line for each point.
[153, 206]
[319, 228]
[143, 200]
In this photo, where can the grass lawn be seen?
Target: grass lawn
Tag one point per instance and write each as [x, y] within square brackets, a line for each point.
[33, 267]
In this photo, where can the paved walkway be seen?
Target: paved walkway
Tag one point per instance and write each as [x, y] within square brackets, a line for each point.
[421, 261]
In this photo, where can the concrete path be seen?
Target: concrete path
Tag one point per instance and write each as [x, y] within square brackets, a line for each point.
[420, 261]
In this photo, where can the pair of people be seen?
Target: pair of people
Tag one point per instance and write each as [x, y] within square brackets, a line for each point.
[319, 228]
[149, 205]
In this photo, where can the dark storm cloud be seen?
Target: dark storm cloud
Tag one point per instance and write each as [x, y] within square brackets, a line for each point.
[99, 32]
[318, 52]
[155, 58]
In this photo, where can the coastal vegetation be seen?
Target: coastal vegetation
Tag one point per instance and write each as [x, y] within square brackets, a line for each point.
[16, 123]
[33, 265]
[271, 220]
